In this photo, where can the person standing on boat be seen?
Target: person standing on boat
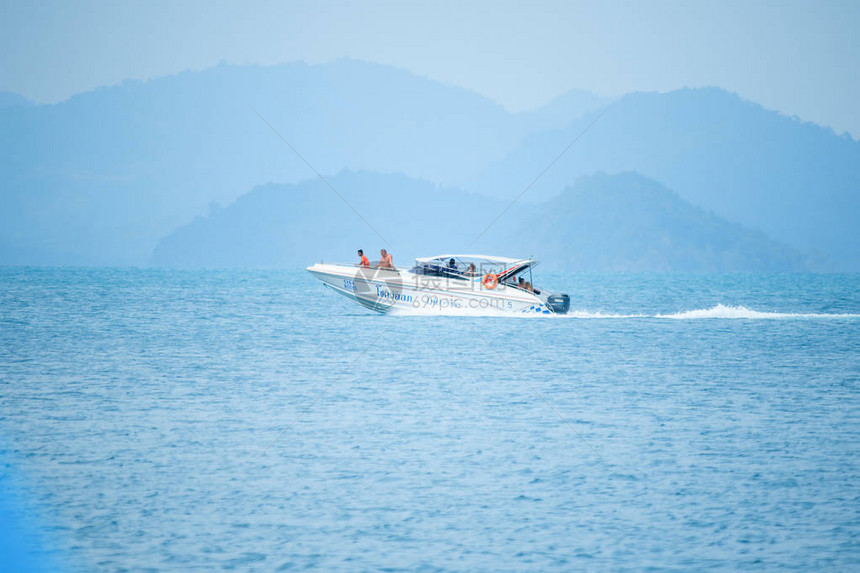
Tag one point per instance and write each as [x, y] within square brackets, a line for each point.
[385, 261]
[365, 264]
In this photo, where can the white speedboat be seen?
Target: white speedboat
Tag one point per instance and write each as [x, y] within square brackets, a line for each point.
[444, 284]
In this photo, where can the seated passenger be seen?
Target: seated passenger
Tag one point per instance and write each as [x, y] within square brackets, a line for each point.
[522, 283]
[471, 271]
[452, 264]
[385, 261]
[528, 286]
[364, 263]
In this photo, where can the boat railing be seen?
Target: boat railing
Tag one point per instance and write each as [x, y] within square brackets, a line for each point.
[444, 272]
[374, 265]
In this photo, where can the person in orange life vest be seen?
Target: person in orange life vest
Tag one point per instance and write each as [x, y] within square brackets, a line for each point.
[364, 262]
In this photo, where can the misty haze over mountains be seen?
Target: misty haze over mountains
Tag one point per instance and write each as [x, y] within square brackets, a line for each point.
[177, 171]
[602, 222]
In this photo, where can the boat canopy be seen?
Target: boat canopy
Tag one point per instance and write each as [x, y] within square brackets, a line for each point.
[502, 267]
[443, 259]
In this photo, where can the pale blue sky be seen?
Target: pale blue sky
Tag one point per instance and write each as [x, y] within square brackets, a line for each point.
[799, 57]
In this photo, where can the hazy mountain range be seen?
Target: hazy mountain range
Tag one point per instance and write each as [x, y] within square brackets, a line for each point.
[107, 176]
[603, 222]
[796, 181]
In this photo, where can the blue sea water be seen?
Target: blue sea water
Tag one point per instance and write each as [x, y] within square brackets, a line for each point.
[252, 420]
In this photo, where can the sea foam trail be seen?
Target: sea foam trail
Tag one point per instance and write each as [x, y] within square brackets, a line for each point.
[720, 311]
[598, 315]
[728, 311]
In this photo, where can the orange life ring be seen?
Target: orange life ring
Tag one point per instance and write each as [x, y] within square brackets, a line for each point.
[490, 281]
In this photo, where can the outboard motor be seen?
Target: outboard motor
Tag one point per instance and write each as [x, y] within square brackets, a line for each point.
[558, 303]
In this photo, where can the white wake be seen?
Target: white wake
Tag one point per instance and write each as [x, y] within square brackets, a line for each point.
[720, 311]
[728, 311]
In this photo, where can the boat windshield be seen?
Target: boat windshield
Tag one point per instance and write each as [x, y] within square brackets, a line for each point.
[471, 267]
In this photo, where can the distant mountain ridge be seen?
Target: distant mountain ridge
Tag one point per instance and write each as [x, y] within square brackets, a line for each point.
[628, 222]
[277, 225]
[796, 181]
[101, 178]
[605, 222]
